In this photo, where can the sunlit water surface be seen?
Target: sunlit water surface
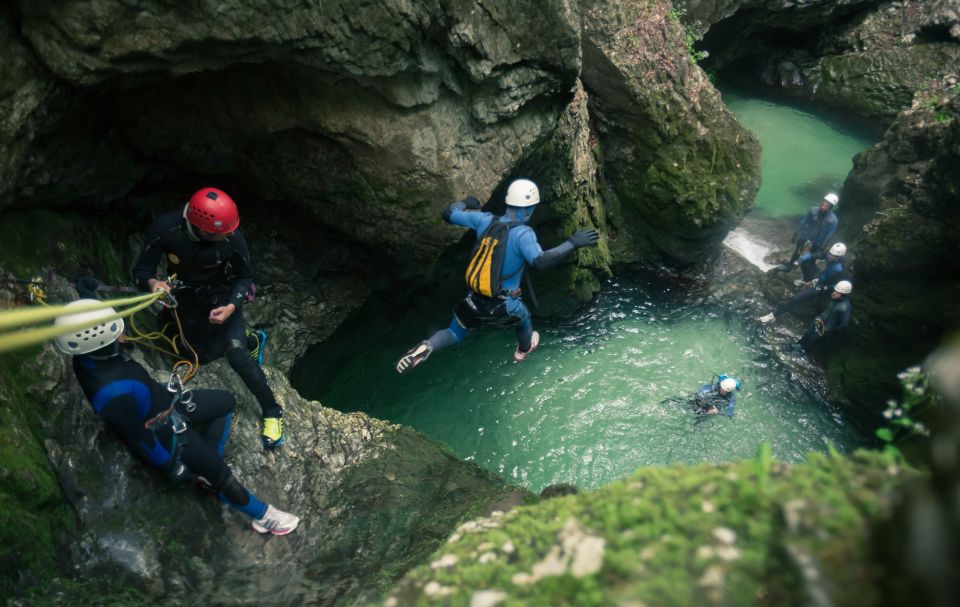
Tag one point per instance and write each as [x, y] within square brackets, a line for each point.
[592, 403]
[597, 399]
[804, 155]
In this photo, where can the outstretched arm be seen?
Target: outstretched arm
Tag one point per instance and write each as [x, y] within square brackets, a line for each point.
[456, 213]
[553, 257]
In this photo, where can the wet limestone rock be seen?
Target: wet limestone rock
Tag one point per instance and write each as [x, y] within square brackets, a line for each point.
[647, 540]
[369, 117]
[901, 217]
[680, 169]
[375, 499]
[861, 55]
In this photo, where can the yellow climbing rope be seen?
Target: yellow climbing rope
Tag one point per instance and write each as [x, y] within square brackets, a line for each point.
[16, 319]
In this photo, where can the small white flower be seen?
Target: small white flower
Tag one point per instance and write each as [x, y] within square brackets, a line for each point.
[888, 413]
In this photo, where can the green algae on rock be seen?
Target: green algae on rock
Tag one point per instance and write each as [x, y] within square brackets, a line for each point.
[683, 169]
[902, 220]
[735, 534]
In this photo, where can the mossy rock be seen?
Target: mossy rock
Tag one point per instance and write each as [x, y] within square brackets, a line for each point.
[735, 534]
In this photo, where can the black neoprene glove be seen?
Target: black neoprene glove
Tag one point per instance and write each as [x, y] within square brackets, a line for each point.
[584, 238]
[472, 203]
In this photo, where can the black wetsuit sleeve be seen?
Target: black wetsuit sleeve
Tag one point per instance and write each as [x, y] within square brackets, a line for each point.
[242, 270]
[150, 255]
[121, 414]
[553, 257]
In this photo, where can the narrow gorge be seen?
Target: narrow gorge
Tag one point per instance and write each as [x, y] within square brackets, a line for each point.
[343, 129]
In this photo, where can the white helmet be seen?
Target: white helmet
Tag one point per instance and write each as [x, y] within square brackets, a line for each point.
[98, 335]
[728, 384]
[844, 287]
[523, 193]
[838, 250]
[832, 198]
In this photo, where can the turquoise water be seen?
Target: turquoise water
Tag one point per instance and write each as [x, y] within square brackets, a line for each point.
[588, 405]
[804, 156]
[592, 403]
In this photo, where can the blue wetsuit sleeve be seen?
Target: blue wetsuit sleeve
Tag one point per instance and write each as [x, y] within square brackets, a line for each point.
[807, 219]
[448, 212]
[242, 269]
[149, 259]
[529, 248]
[805, 257]
[121, 414]
[469, 219]
[830, 276]
[732, 405]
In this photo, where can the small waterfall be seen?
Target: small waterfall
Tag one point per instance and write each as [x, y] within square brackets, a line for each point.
[750, 247]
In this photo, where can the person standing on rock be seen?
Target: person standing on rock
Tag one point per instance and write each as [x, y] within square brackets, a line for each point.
[816, 228]
[206, 250]
[813, 285]
[834, 319]
[505, 246]
[156, 422]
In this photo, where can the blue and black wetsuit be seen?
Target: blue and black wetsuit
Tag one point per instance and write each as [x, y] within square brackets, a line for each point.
[834, 319]
[709, 396]
[832, 273]
[214, 273]
[124, 395]
[816, 226]
[508, 308]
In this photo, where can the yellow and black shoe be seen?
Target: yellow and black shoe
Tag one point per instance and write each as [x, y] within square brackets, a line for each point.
[272, 436]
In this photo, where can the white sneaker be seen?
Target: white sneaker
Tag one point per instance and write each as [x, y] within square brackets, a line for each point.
[414, 356]
[276, 521]
[768, 318]
[534, 342]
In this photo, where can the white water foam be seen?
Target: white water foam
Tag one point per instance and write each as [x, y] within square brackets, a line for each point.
[750, 247]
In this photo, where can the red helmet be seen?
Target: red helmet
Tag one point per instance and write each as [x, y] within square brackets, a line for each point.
[211, 210]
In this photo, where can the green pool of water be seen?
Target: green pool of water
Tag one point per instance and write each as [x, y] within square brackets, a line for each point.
[804, 155]
[588, 406]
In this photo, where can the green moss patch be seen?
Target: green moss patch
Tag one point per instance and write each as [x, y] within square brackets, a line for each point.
[742, 533]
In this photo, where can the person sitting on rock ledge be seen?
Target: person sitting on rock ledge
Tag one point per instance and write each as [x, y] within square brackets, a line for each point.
[834, 319]
[812, 285]
[206, 250]
[505, 245]
[816, 228]
[155, 421]
[714, 397]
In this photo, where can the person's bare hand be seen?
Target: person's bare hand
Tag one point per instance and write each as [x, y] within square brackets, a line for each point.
[218, 316]
[155, 284]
